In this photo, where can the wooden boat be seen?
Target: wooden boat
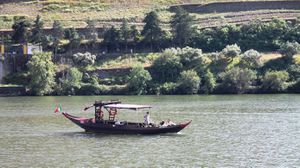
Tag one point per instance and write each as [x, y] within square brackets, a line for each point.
[99, 125]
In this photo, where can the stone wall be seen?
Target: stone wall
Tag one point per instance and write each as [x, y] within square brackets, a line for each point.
[12, 91]
[222, 7]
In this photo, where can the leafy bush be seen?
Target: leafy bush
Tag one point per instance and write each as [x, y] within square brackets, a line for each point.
[84, 59]
[189, 82]
[289, 49]
[294, 72]
[275, 81]
[168, 88]
[209, 82]
[19, 78]
[42, 71]
[138, 79]
[167, 66]
[236, 80]
[71, 82]
[231, 51]
[193, 58]
[90, 89]
[251, 59]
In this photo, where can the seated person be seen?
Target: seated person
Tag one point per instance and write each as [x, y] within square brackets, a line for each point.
[169, 122]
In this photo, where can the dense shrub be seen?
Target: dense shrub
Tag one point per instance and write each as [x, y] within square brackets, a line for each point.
[90, 89]
[167, 66]
[289, 49]
[275, 81]
[251, 59]
[236, 80]
[231, 51]
[41, 70]
[294, 72]
[208, 82]
[168, 88]
[84, 59]
[189, 82]
[71, 82]
[20, 78]
[138, 79]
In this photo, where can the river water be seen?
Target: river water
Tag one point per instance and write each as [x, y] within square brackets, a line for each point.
[227, 131]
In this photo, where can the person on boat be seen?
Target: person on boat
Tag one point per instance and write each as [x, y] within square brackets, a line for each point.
[169, 122]
[147, 118]
[99, 114]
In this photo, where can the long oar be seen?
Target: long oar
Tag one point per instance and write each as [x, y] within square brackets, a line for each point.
[86, 108]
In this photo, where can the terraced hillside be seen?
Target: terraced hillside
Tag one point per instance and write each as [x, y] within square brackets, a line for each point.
[208, 13]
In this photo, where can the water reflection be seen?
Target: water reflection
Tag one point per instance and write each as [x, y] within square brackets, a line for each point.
[227, 131]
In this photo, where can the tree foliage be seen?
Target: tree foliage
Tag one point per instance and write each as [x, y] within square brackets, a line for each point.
[84, 59]
[57, 35]
[289, 49]
[182, 30]
[112, 39]
[152, 31]
[231, 51]
[125, 33]
[92, 31]
[251, 59]
[189, 82]
[72, 35]
[209, 82]
[42, 72]
[275, 81]
[236, 80]
[21, 29]
[71, 81]
[138, 79]
[167, 66]
[37, 30]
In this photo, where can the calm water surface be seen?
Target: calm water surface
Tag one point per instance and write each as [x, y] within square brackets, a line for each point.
[227, 131]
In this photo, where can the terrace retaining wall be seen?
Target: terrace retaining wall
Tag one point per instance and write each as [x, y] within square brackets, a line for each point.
[223, 7]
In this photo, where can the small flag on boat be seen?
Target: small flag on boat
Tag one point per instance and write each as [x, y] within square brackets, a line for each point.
[58, 109]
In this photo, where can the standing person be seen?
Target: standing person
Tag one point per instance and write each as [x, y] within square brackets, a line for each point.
[147, 118]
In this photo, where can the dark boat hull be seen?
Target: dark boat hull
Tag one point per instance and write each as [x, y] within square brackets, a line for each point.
[111, 127]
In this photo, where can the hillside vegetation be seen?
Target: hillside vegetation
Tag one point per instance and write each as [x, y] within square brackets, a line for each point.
[75, 13]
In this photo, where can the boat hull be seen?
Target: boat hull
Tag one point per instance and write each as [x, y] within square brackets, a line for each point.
[112, 127]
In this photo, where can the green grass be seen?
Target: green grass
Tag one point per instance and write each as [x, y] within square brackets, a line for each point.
[10, 85]
[128, 60]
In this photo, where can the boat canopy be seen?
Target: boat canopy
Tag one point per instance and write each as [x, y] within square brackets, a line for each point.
[127, 106]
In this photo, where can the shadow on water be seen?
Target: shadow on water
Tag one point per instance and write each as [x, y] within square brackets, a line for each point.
[105, 135]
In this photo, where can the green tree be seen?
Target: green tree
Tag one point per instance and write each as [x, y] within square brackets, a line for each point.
[167, 66]
[231, 51]
[294, 72]
[152, 32]
[189, 82]
[181, 24]
[37, 30]
[251, 59]
[92, 31]
[73, 37]
[275, 81]
[84, 59]
[57, 35]
[193, 58]
[125, 33]
[236, 80]
[138, 80]
[289, 49]
[21, 29]
[42, 72]
[71, 82]
[209, 82]
[135, 34]
[112, 39]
